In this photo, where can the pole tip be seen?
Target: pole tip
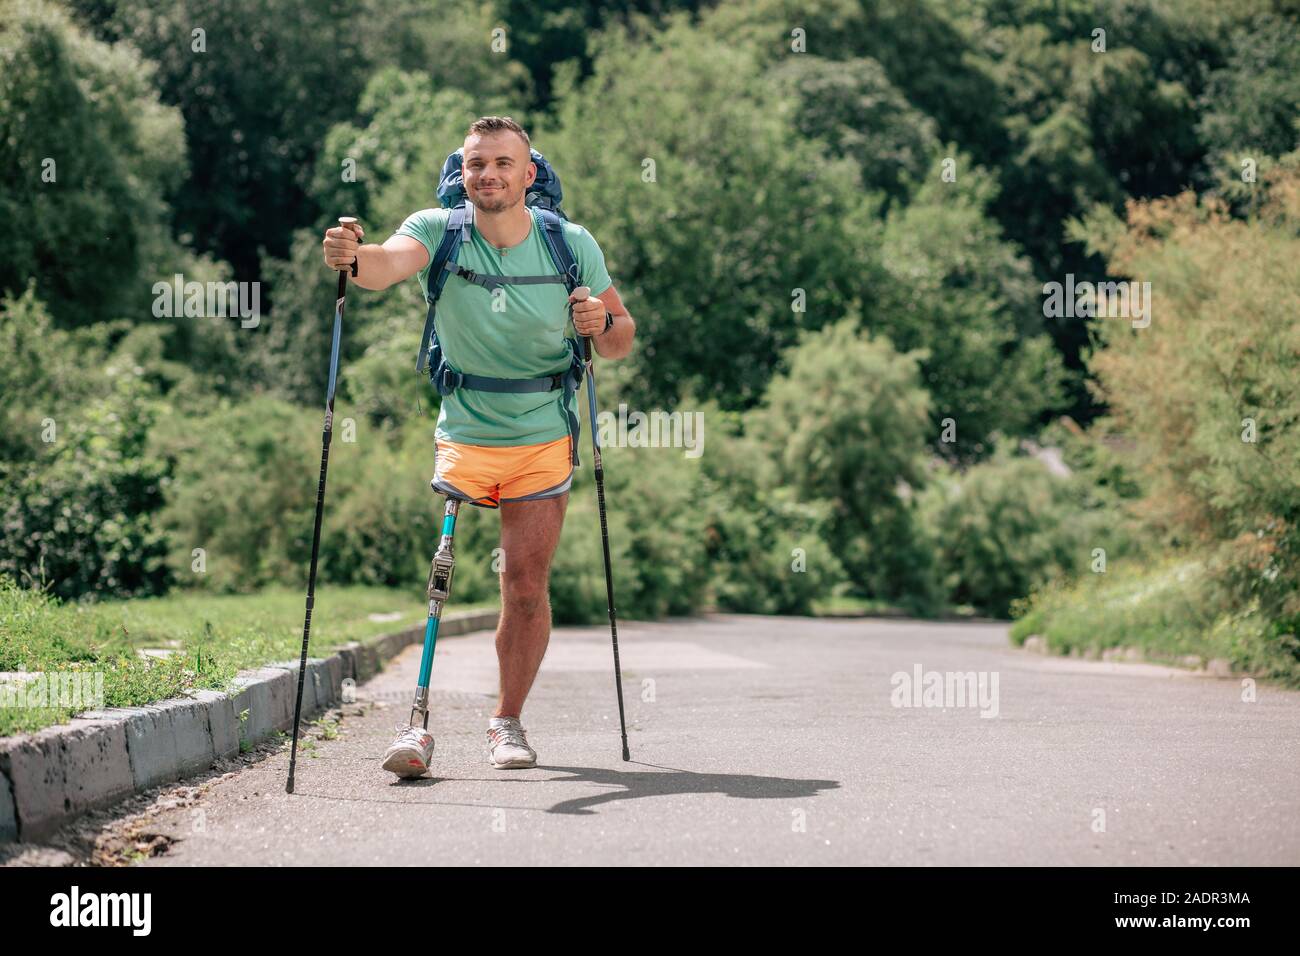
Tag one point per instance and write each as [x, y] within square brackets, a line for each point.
[626, 755]
[288, 787]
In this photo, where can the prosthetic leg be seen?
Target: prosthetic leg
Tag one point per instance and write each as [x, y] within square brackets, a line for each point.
[411, 752]
[444, 562]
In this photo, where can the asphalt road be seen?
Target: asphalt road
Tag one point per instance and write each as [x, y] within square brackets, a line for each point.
[759, 740]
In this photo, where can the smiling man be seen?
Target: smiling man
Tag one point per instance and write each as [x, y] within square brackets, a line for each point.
[510, 451]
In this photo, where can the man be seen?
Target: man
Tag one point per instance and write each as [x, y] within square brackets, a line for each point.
[501, 450]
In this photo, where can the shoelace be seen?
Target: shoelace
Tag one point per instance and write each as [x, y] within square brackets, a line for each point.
[412, 735]
[508, 734]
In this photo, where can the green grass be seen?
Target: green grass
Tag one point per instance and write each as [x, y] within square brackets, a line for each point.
[846, 604]
[1168, 609]
[213, 637]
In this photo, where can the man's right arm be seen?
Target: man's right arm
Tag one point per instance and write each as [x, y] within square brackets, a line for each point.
[378, 266]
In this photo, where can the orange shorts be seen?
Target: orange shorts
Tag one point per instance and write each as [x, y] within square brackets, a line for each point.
[486, 475]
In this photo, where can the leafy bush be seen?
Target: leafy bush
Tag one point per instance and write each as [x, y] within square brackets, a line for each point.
[766, 548]
[385, 522]
[1218, 441]
[242, 489]
[849, 424]
[81, 516]
[1167, 608]
[656, 549]
[965, 299]
[39, 375]
[1003, 527]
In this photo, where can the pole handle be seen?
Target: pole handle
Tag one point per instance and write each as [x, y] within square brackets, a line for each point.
[347, 222]
[583, 292]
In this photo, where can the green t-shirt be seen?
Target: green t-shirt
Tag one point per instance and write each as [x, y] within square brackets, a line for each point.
[523, 337]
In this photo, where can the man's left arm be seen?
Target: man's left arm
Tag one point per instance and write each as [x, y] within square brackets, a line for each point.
[589, 319]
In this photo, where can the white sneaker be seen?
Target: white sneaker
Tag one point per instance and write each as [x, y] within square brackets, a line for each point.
[410, 753]
[508, 745]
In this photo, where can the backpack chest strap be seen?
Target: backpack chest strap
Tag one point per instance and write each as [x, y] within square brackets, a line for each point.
[491, 282]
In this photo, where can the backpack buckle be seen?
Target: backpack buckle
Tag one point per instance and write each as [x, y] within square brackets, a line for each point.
[450, 380]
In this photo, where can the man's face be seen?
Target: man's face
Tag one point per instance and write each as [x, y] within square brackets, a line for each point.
[497, 170]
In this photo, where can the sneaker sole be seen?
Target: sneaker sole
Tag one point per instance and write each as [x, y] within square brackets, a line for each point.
[513, 764]
[405, 763]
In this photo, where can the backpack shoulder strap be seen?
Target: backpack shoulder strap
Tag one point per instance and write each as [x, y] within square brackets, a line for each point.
[459, 228]
[562, 255]
[558, 246]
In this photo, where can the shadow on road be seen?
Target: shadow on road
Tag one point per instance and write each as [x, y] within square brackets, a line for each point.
[636, 784]
[627, 785]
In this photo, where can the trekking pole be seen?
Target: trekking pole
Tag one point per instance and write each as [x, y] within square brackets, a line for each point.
[347, 222]
[584, 292]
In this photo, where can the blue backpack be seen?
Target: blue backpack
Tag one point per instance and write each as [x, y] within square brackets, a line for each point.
[543, 202]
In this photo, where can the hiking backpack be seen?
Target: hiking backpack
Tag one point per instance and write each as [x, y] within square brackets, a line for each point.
[543, 202]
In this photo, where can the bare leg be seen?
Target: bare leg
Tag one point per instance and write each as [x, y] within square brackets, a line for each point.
[530, 532]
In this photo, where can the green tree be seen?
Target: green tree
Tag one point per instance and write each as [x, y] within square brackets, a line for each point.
[1218, 438]
[851, 106]
[79, 520]
[727, 235]
[1019, 88]
[40, 374]
[542, 35]
[92, 156]
[1252, 103]
[264, 82]
[966, 296]
[767, 547]
[1002, 528]
[849, 424]
[404, 132]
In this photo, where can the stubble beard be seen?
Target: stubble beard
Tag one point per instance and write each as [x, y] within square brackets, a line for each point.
[498, 202]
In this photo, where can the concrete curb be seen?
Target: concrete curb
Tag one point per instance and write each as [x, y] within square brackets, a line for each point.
[97, 759]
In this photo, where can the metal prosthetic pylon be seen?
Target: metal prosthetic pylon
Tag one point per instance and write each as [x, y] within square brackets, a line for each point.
[444, 563]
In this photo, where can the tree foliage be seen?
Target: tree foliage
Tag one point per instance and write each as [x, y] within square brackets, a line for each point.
[831, 222]
[91, 157]
[1211, 389]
